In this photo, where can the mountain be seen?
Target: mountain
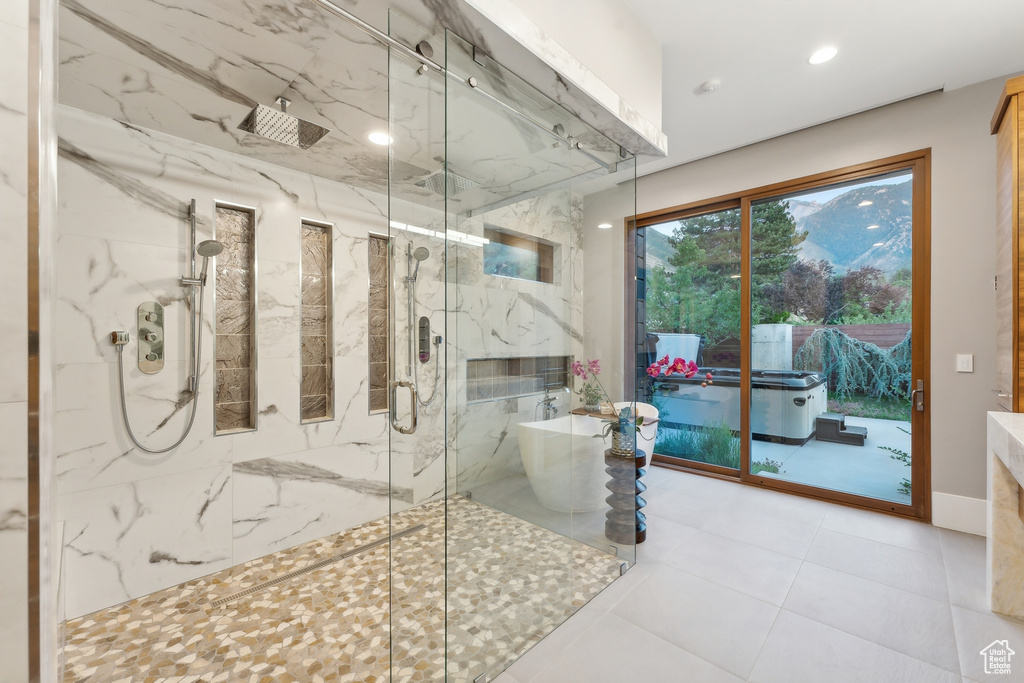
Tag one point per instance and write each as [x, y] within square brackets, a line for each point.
[838, 231]
[800, 209]
[658, 249]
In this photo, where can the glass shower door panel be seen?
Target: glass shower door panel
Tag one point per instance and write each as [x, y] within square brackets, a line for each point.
[416, 354]
[511, 242]
[831, 311]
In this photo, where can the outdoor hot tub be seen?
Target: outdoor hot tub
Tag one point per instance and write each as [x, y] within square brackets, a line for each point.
[783, 407]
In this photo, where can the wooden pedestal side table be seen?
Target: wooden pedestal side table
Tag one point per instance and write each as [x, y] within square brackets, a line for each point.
[624, 522]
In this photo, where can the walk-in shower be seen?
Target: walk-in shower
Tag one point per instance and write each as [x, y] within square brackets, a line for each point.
[450, 281]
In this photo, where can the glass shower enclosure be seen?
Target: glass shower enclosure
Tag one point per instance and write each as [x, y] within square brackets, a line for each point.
[385, 479]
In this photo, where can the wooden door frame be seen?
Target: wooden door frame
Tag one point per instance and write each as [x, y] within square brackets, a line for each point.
[919, 163]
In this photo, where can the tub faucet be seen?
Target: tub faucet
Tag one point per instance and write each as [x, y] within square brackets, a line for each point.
[547, 406]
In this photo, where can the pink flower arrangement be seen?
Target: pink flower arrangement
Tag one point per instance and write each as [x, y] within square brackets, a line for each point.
[591, 394]
[678, 366]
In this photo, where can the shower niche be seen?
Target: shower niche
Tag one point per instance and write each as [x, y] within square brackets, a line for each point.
[234, 345]
[317, 382]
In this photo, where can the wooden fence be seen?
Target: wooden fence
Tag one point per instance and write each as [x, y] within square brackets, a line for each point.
[727, 354]
[883, 336]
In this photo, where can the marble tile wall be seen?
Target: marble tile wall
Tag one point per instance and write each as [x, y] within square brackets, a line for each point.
[317, 385]
[136, 522]
[14, 47]
[498, 318]
[235, 333]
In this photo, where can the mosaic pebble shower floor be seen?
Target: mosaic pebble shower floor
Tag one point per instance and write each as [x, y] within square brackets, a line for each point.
[509, 584]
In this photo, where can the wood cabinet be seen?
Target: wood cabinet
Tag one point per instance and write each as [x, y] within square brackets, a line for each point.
[1008, 127]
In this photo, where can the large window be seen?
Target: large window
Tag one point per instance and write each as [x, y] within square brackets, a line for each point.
[693, 312]
[805, 303]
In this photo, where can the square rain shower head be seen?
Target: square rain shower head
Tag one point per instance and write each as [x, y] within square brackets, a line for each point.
[281, 126]
[436, 182]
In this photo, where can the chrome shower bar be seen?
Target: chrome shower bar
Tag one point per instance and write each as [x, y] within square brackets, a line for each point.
[377, 34]
[471, 82]
[193, 377]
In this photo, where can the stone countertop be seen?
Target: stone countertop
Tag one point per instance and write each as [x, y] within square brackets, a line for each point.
[1006, 440]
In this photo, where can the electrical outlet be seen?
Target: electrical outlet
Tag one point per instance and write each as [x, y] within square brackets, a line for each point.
[965, 362]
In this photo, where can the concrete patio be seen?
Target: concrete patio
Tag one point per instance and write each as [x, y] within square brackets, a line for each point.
[866, 470]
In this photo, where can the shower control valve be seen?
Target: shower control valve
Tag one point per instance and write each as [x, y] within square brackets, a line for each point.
[118, 337]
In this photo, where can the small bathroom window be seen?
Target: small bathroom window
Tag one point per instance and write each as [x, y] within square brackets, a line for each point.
[378, 323]
[235, 400]
[317, 383]
[513, 255]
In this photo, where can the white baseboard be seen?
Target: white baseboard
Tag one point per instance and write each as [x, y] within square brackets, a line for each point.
[960, 513]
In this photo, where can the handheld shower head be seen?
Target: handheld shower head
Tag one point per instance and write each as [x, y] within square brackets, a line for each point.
[420, 255]
[208, 249]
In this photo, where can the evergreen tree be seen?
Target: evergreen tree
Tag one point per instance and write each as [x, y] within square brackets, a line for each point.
[701, 292]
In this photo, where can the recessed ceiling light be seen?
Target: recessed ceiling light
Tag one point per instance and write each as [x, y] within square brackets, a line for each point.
[823, 55]
[604, 226]
[872, 227]
[866, 202]
[380, 138]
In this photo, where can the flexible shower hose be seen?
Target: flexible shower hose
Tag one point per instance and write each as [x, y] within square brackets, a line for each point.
[437, 375]
[413, 360]
[195, 392]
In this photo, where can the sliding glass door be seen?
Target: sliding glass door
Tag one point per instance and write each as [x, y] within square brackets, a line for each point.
[825, 391]
[693, 307]
[831, 351]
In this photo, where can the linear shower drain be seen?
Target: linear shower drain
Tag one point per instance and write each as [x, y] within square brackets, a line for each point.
[316, 565]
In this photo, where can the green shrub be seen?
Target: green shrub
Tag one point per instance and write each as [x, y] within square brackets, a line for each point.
[855, 367]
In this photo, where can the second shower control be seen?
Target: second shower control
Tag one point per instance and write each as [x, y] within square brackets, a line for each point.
[151, 337]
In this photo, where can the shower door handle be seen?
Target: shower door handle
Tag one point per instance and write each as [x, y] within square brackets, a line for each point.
[414, 408]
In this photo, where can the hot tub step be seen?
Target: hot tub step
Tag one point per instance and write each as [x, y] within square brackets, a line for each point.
[832, 427]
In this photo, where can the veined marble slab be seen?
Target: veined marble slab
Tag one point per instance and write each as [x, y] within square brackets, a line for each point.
[1005, 547]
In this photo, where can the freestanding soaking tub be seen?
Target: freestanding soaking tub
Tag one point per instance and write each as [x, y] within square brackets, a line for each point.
[565, 463]
[783, 407]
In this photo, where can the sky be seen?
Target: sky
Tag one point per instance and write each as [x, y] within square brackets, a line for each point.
[820, 196]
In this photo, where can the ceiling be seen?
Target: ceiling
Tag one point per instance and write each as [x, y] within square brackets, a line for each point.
[889, 50]
[193, 69]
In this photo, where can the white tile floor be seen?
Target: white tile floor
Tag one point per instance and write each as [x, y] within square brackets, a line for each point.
[743, 584]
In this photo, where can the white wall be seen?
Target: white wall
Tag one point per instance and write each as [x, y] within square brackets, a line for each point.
[955, 126]
[611, 41]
